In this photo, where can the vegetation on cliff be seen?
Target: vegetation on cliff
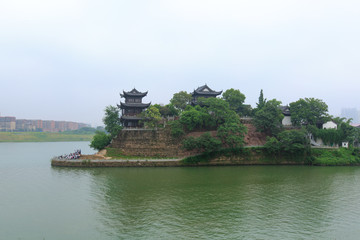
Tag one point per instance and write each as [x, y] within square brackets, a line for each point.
[219, 120]
[212, 114]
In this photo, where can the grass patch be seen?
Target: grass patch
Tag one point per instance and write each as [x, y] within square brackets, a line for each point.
[43, 137]
[336, 157]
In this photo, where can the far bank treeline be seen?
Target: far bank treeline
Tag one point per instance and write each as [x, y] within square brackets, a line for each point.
[221, 121]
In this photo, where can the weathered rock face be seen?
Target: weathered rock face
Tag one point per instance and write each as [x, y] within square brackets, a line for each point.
[149, 143]
[254, 138]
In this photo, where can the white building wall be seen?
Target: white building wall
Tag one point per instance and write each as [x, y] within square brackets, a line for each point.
[329, 125]
[286, 121]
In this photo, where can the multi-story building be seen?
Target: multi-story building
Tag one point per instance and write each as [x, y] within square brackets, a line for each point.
[132, 108]
[10, 124]
[7, 124]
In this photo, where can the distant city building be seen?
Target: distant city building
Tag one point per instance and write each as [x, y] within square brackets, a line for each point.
[11, 124]
[132, 108]
[205, 92]
[351, 113]
[7, 124]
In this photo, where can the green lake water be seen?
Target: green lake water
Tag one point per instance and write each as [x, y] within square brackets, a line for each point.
[38, 201]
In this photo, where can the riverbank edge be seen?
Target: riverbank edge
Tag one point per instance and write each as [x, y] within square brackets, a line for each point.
[224, 157]
[157, 163]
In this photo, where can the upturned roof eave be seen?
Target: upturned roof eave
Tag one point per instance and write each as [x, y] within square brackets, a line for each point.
[134, 105]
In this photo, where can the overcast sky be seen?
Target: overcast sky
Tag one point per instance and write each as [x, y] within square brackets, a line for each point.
[69, 59]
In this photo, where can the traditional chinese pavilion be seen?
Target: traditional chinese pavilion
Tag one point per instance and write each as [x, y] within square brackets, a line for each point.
[132, 108]
[205, 92]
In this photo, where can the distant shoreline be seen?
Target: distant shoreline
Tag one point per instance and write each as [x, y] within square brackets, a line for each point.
[43, 137]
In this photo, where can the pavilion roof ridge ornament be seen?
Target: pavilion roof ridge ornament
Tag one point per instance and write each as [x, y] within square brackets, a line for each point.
[205, 89]
[133, 93]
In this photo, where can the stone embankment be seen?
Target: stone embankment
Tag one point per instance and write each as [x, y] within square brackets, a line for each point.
[220, 161]
[158, 144]
[117, 163]
[149, 143]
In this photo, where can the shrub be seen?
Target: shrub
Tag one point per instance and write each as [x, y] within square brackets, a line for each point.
[205, 143]
[100, 140]
[189, 143]
[292, 142]
[272, 146]
[177, 129]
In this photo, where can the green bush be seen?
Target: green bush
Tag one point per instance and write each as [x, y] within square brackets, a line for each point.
[294, 142]
[100, 140]
[177, 129]
[205, 143]
[232, 134]
[272, 146]
[189, 143]
[334, 157]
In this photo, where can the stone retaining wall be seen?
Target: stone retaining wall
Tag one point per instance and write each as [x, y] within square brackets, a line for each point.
[115, 163]
[149, 143]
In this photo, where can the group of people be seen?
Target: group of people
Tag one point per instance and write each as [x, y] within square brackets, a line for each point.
[75, 155]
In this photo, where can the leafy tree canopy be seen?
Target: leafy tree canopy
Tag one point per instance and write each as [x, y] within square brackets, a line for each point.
[308, 111]
[112, 121]
[180, 100]
[195, 118]
[219, 110]
[288, 142]
[152, 117]
[268, 119]
[235, 99]
[262, 101]
[100, 140]
[167, 110]
[205, 143]
[232, 134]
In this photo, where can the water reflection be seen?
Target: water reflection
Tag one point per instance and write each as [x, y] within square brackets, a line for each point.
[226, 202]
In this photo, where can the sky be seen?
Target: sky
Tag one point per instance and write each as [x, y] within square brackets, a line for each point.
[69, 59]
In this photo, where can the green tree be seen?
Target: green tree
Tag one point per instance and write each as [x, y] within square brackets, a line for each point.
[192, 118]
[235, 99]
[180, 100]
[167, 110]
[262, 101]
[268, 119]
[112, 121]
[152, 117]
[177, 129]
[232, 134]
[308, 111]
[294, 142]
[205, 143]
[218, 109]
[100, 140]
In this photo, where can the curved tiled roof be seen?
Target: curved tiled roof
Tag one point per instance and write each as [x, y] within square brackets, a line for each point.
[285, 110]
[205, 90]
[133, 105]
[133, 93]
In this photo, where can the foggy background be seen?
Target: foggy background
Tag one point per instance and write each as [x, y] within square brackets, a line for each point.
[69, 59]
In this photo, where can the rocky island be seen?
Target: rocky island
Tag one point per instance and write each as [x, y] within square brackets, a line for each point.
[201, 129]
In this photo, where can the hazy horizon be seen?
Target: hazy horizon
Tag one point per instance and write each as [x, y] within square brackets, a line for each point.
[68, 60]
